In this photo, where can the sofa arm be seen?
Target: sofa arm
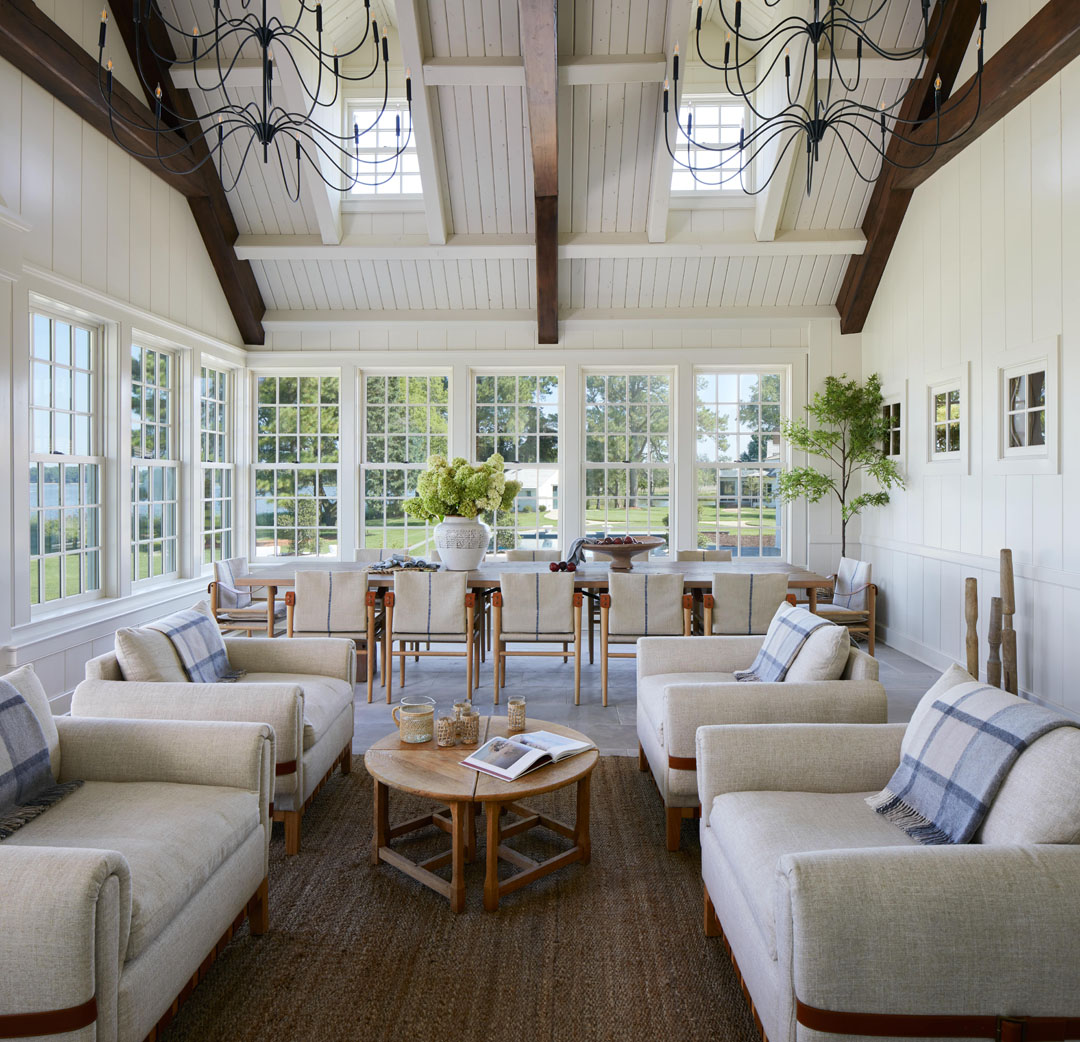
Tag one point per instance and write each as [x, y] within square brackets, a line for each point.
[321, 656]
[235, 755]
[64, 924]
[933, 930]
[795, 758]
[695, 654]
[279, 705]
[690, 706]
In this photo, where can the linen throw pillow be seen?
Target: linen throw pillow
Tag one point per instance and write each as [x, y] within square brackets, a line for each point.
[199, 645]
[26, 780]
[27, 683]
[148, 656]
[823, 657]
[787, 633]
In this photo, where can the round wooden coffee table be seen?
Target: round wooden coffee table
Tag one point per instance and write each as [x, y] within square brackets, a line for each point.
[428, 771]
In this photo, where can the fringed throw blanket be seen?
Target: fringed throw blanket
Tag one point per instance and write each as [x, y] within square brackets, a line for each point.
[199, 643]
[787, 633]
[26, 782]
[954, 758]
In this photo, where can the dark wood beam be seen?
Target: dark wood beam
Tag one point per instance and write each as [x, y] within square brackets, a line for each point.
[46, 54]
[1038, 52]
[951, 29]
[212, 213]
[539, 46]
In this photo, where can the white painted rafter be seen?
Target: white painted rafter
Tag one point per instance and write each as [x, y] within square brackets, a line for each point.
[676, 32]
[598, 69]
[578, 246]
[431, 166]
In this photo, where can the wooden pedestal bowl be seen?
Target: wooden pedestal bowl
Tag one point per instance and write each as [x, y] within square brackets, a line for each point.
[622, 553]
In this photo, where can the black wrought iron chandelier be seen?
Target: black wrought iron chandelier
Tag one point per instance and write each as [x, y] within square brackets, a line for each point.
[863, 130]
[262, 125]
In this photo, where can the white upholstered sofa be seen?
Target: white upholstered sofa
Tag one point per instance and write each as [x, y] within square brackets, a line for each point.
[114, 901]
[686, 682]
[830, 910]
[302, 688]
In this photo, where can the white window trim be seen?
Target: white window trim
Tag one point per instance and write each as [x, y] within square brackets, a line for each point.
[952, 377]
[897, 394]
[1042, 354]
[233, 380]
[735, 190]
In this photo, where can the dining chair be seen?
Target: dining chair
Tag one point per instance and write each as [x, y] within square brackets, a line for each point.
[702, 555]
[336, 604]
[372, 555]
[536, 608]
[744, 604]
[236, 608]
[430, 608]
[638, 605]
[854, 600]
[594, 598]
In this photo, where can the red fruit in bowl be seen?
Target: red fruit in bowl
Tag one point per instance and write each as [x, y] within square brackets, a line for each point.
[554, 566]
[629, 539]
[570, 566]
[562, 566]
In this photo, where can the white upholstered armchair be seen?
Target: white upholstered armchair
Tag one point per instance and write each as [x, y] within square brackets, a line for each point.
[684, 683]
[117, 898]
[302, 688]
[837, 920]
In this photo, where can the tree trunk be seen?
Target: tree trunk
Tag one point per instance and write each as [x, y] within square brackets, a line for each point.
[843, 537]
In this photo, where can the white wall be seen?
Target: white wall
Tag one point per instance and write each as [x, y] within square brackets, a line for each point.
[986, 264]
[108, 237]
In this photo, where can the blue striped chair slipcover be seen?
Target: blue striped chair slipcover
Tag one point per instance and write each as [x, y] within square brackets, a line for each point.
[534, 555]
[854, 602]
[233, 607]
[744, 604]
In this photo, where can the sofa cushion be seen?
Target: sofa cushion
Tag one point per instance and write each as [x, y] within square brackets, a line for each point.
[324, 699]
[822, 657]
[27, 683]
[149, 656]
[1039, 800]
[650, 693]
[174, 838]
[755, 829]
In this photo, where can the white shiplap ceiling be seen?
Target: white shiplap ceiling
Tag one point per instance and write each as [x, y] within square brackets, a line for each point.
[627, 246]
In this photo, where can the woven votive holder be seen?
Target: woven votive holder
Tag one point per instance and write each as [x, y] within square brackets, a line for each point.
[515, 715]
[470, 726]
[445, 731]
[459, 710]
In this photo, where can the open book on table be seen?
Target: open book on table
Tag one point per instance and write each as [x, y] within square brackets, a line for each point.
[510, 758]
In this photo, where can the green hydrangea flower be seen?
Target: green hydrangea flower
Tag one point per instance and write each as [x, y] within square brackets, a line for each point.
[456, 488]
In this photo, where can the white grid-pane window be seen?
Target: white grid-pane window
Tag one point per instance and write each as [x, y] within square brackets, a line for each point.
[628, 441]
[945, 422]
[891, 428]
[1025, 411]
[296, 492]
[737, 431]
[65, 466]
[387, 134]
[517, 416]
[713, 122]
[217, 465]
[406, 420]
[154, 479]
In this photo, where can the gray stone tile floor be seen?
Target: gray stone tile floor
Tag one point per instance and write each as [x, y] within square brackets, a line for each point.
[548, 688]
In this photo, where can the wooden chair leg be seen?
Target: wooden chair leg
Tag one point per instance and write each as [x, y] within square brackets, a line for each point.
[346, 759]
[565, 657]
[673, 827]
[642, 759]
[712, 923]
[401, 658]
[603, 654]
[258, 909]
[292, 830]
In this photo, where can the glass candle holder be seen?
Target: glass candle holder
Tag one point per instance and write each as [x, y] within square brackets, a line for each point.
[445, 731]
[470, 726]
[515, 715]
[415, 716]
[459, 710]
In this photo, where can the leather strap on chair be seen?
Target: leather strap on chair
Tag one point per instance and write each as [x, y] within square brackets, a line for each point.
[49, 1022]
[289, 767]
[290, 598]
[902, 1025]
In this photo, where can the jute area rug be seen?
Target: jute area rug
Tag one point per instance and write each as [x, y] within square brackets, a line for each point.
[611, 950]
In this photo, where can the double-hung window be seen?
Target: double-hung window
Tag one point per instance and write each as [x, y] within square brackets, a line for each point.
[296, 470]
[738, 461]
[215, 452]
[945, 422]
[406, 420]
[154, 464]
[373, 162]
[517, 416]
[66, 463]
[711, 161]
[628, 436]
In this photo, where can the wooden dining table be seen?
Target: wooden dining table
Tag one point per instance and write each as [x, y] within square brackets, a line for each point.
[592, 575]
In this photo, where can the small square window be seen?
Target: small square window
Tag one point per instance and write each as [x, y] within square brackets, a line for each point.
[1025, 412]
[946, 422]
[891, 429]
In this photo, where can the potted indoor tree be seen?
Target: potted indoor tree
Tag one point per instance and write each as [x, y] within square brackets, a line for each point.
[849, 434]
[454, 493]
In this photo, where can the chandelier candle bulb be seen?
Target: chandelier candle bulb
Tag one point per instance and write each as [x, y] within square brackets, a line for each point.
[101, 30]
